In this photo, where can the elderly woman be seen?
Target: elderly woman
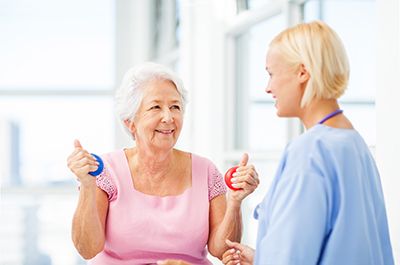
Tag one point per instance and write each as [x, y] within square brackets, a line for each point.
[153, 202]
[325, 205]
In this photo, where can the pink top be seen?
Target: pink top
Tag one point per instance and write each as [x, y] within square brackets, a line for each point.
[142, 229]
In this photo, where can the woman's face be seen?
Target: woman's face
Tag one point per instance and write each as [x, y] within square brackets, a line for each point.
[158, 122]
[285, 84]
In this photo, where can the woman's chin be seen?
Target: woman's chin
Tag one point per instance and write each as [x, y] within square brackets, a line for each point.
[166, 145]
[282, 114]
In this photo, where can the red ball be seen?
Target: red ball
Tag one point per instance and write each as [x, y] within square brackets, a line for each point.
[228, 177]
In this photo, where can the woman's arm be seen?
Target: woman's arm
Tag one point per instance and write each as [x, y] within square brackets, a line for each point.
[225, 214]
[88, 225]
[225, 222]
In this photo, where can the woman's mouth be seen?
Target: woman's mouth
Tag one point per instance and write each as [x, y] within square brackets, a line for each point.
[165, 131]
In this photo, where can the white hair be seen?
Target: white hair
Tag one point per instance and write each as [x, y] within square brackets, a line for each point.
[130, 94]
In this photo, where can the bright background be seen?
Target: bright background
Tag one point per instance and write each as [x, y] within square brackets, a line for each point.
[61, 60]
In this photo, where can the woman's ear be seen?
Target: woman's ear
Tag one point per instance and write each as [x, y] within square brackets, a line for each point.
[130, 125]
[303, 74]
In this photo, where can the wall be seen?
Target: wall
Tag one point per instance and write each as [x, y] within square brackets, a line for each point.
[387, 102]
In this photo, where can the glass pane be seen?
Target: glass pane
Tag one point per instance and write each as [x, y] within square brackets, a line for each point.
[312, 10]
[42, 131]
[35, 228]
[252, 54]
[266, 170]
[251, 80]
[266, 130]
[166, 24]
[178, 31]
[255, 4]
[363, 118]
[62, 44]
[355, 22]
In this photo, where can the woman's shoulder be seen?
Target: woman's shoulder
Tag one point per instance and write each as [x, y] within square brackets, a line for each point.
[201, 160]
[113, 155]
[183, 154]
[322, 143]
[324, 137]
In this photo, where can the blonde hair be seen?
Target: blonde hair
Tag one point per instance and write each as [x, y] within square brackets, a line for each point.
[316, 46]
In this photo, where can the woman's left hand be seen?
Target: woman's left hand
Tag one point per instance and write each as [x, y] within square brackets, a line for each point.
[245, 178]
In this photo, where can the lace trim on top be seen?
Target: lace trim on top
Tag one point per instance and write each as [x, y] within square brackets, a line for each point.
[104, 182]
[216, 185]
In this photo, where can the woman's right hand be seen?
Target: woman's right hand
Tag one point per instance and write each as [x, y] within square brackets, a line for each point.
[238, 254]
[81, 162]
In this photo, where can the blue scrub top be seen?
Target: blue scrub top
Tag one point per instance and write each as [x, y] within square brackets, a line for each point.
[325, 205]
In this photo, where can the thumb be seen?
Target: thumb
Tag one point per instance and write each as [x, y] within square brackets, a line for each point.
[244, 160]
[234, 245]
[77, 144]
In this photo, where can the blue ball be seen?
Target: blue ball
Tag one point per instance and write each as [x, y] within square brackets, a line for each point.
[100, 168]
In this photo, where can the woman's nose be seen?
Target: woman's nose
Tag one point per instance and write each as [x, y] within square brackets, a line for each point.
[167, 116]
[268, 88]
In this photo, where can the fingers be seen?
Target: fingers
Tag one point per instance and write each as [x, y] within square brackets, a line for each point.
[231, 257]
[84, 159]
[78, 148]
[245, 179]
[244, 160]
[235, 245]
[81, 162]
[247, 174]
[77, 144]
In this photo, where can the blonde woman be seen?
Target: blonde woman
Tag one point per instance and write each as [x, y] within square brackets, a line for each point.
[325, 205]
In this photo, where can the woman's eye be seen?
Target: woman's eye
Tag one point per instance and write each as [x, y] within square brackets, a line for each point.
[155, 107]
[176, 107]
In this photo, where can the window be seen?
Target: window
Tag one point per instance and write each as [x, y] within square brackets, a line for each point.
[256, 128]
[55, 45]
[354, 21]
[57, 81]
[43, 129]
[265, 130]
[243, 5]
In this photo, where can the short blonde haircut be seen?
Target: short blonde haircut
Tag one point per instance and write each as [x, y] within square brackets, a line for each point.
[130, 94]
[316, 46]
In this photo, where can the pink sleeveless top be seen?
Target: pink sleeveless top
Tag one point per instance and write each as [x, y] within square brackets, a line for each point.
[142, 229]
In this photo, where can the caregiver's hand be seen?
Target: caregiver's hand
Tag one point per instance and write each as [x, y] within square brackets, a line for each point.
[238, 253]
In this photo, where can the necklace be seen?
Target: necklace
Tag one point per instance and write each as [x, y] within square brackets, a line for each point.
[330, 115]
